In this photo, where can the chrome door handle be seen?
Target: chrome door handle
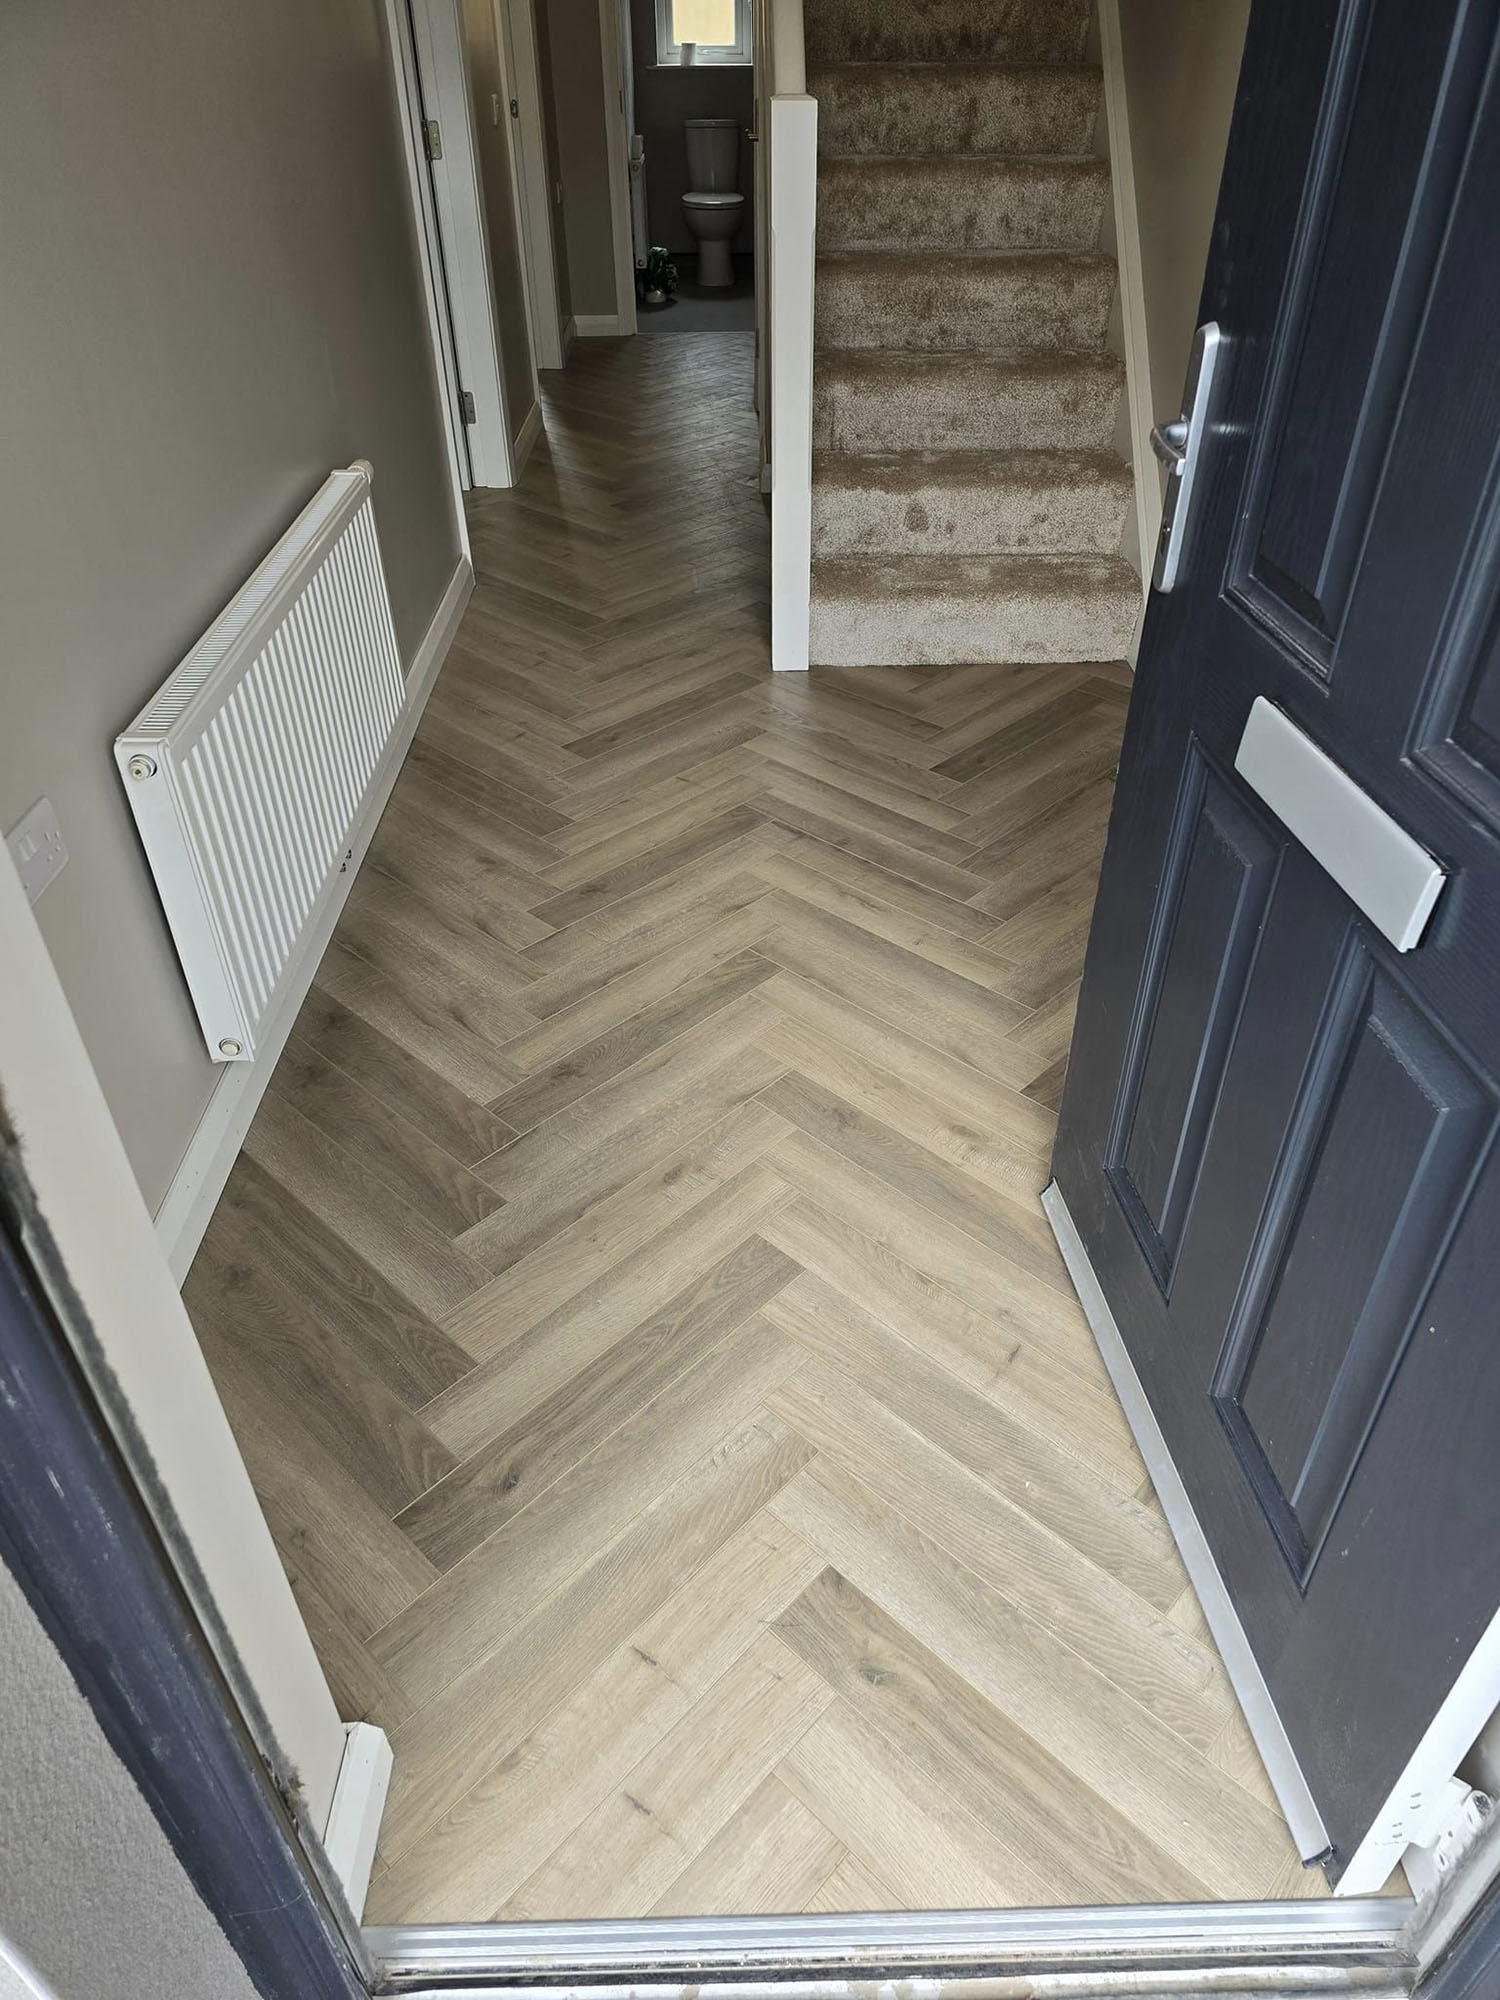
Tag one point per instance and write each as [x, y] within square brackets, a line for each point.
[1169, 442]
[1180, 447]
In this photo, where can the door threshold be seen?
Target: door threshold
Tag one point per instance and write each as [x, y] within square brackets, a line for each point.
[1356, 1946]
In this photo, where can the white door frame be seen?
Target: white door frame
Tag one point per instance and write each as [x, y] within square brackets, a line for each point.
[617, 155]
[518, 54]
[147, 1368]
[434, 290]
[458, 195]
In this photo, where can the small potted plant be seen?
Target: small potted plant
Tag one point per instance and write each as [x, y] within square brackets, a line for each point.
[659, 279]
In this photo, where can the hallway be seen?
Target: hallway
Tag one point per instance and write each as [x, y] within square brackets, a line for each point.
[633, 1300]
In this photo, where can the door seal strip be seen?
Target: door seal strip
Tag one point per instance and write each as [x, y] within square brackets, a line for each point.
[1271, 1740]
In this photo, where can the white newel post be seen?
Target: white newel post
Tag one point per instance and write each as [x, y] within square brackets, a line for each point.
[794, 185]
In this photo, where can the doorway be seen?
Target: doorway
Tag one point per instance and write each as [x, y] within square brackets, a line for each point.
[694, 1052]
[654, 1362]
[452, 75]
[527, 70]
[694, 186]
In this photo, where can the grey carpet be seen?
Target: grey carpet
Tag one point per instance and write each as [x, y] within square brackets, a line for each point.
[967, 500]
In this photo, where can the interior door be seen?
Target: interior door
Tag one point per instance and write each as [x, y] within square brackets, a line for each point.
[414, 108]
[1277, 1143]
[458, 160]
[529, 152]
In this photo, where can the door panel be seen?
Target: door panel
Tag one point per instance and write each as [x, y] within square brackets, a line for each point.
[1380, 1153]
[1279, 1137]
[1220, 867]
[1379, 190]
[1458, 741]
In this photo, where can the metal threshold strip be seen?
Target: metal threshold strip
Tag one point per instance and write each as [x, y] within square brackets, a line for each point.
[1351, 1948]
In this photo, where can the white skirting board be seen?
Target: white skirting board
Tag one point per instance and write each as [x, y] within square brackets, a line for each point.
[358, 1802]
[595, 326]
[215, 1144]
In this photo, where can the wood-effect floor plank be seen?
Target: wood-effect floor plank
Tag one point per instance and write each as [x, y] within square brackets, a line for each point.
[1059, 1841]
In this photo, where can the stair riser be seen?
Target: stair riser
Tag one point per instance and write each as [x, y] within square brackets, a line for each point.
[955, 111]
[1001, 31]
[918, 630]
[973, 408]
[965, 303]
[961, 204]
[1010, 517]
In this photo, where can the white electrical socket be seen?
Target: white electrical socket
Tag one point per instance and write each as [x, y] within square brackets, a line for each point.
[37, 847]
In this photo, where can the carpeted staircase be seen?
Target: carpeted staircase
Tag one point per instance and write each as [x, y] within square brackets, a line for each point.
[967, 500]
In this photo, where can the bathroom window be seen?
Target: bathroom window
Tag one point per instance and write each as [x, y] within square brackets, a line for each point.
[718, 29]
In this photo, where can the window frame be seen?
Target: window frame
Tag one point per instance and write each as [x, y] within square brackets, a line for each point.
[739, 51]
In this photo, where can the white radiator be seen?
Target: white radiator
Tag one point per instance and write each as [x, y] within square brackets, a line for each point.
[247, 769]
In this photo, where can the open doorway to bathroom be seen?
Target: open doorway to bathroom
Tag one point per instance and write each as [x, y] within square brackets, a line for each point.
[692, 85]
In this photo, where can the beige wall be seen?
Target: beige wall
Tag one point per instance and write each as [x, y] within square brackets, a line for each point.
[577, 115]
[211, 297]
[1181, 64]
[487, 84]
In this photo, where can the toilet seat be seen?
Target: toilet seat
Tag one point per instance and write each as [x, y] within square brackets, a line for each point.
[707, 200]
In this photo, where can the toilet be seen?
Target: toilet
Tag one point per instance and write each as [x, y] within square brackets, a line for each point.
[712, 207]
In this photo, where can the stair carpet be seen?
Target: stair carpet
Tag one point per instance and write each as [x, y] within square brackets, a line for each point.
[968, 502]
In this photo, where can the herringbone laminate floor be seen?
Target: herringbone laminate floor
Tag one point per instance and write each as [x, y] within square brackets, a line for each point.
[633, 1299]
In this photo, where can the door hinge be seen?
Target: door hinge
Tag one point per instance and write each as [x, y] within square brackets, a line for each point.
[432, 139]
[515, 107]
[466, 404]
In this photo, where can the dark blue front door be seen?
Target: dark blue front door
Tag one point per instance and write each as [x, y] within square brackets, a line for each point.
[1278, 1140]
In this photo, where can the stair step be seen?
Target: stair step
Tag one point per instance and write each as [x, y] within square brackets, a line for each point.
[949, 107]
[1028, 299]
[1015, 31]
[968, 503]
[945, 610]
[964, 203]
[888, 400]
